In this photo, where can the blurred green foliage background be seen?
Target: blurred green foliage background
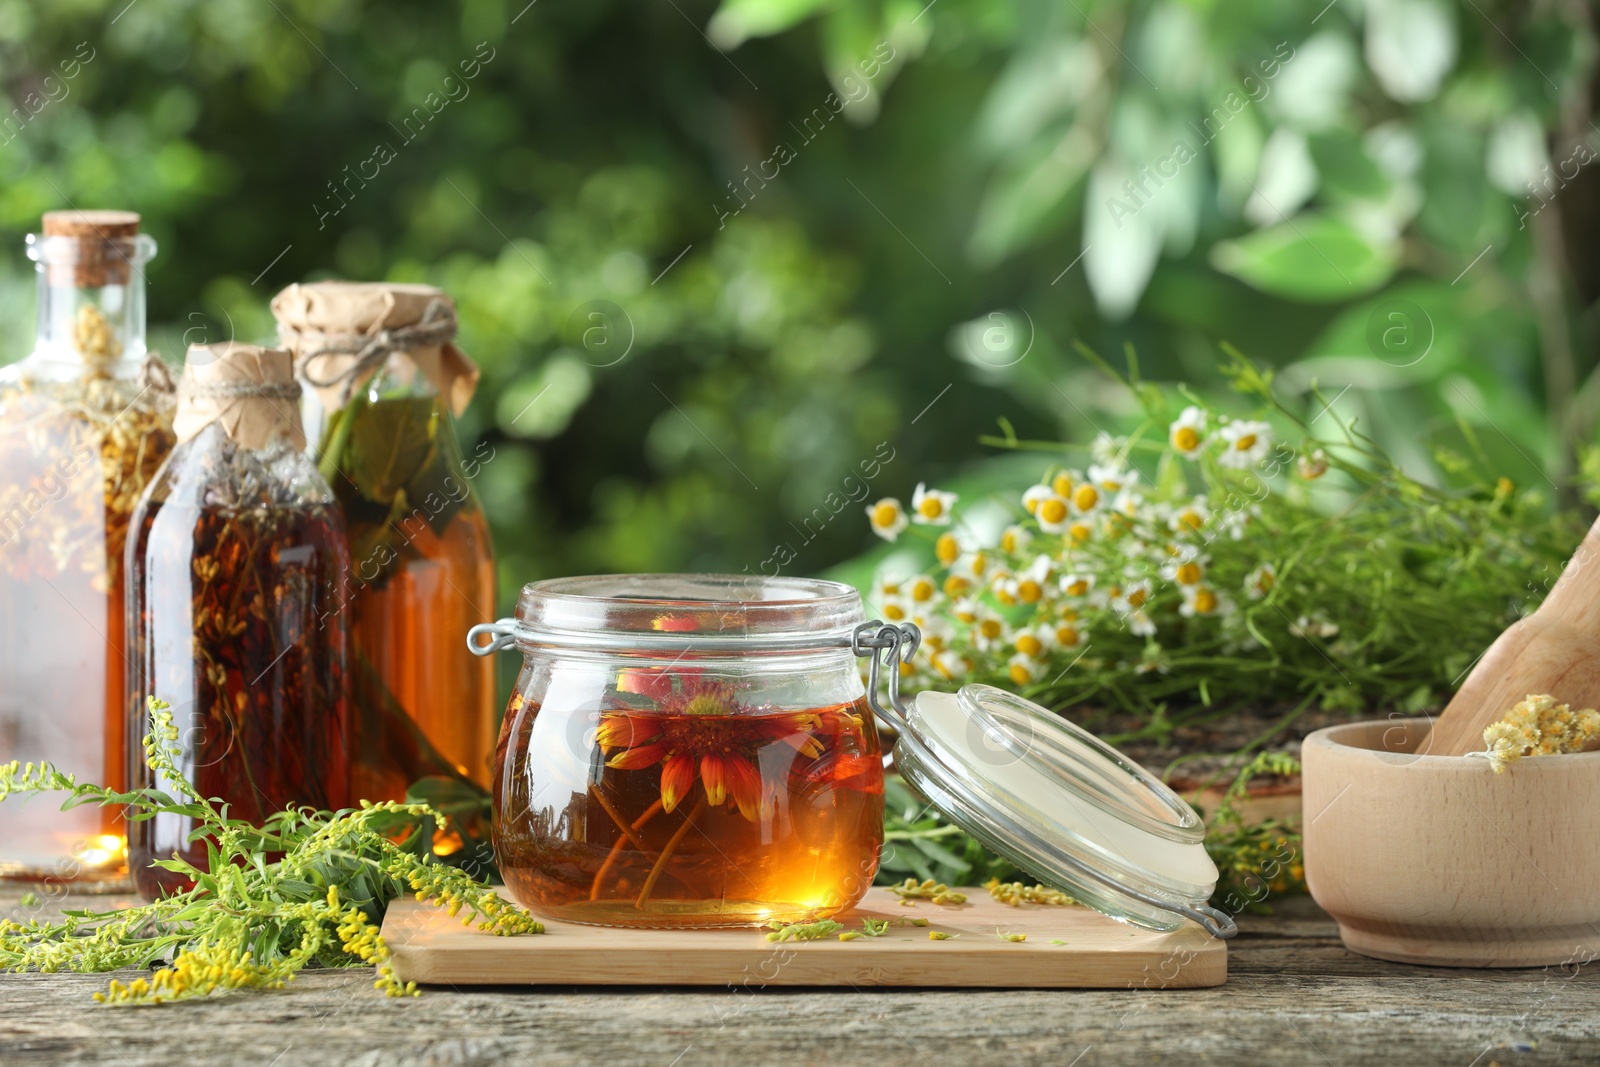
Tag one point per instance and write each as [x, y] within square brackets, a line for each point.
[713, 258]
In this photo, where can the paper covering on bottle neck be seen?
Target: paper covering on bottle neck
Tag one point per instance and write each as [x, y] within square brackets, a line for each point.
[247, 389]
[344, 332]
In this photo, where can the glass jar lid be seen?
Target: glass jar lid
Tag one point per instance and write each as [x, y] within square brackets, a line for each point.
[1051, 798]
[690, 613]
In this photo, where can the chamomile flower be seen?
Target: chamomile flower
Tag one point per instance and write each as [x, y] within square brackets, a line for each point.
[1199, 600]
[884, 585]
[921, 590]
[1014, 539]
[937, 632]
[931, 507]
[1140, 624]
[1188, 434]
[965, 610]
[888, 518]
[1068, 634]
[973, 565]
[1063, 482]
[1036, 495]
[1190, 516]
[947, 548]
[1034, 642]
[1029, 586]
[1245, 442]
[1236, 521]
[1023, 669]
[1317, 625]
[1187, 568]
[1054, 514]
[894, 608]
[1107, 450]
[1077, 584]
[1132, 597]
[1087, 498]
[1079, 532]
[1313, 465]
[989, 631]
[1112, 478]
[1260, 581]
[949, 665]
[957, 586]
[1003, 586]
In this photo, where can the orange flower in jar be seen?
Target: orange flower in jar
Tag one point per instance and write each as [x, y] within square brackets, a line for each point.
[702, 730]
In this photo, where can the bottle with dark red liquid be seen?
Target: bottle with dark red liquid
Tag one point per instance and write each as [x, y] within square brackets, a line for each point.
[237, 563]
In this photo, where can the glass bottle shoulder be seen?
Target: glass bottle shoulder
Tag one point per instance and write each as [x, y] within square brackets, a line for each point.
[211, 470]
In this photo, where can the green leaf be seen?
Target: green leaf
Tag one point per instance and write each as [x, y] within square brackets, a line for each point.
[1313, 258]
[736, 21]
[1345, 168]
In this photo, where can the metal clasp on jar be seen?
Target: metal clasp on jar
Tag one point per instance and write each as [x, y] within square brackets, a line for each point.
[887, 645]
[502, 635]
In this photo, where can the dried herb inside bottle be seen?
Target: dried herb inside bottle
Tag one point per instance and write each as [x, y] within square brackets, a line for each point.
[85, 421]
[237, 605]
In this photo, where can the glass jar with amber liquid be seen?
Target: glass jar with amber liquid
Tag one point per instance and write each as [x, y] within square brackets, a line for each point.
[686, 751]
[85, 421]
[384, 383]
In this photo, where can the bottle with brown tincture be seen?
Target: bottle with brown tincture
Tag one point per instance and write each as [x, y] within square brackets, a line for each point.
[385, 382]
[237, 607]
[85, 421]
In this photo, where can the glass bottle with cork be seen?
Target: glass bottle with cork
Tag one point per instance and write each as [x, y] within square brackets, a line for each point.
[237, 607]
[385, 384]
[85, 421]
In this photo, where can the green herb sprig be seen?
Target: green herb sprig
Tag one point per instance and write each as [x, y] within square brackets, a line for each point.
[249, 921]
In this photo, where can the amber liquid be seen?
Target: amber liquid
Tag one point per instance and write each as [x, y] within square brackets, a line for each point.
[422, 574]
[408, 629]
[238, 628]
[73, 458]
[796, 834]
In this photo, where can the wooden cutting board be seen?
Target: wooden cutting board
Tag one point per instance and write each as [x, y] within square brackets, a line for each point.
[1096, 953]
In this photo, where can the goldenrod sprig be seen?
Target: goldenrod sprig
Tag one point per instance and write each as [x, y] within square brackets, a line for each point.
[247, 922]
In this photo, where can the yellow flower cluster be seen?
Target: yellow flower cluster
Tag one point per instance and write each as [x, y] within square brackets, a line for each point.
[1539, 725]
[938, 892]
[1016, 894]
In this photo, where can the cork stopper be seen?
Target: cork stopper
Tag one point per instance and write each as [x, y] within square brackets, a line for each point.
[101, 259]
[248, 389]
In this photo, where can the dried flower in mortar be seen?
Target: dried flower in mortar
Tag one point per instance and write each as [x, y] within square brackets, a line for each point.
[1539, 725]
[1016, 894]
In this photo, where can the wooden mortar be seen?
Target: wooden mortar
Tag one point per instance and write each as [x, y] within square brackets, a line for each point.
[1438, 860]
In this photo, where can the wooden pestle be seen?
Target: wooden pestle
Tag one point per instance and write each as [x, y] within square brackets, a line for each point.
[1556, 650]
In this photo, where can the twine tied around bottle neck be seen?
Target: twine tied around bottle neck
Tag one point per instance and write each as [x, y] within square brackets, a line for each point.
[191, 390]
[154, 375]
[436, 327]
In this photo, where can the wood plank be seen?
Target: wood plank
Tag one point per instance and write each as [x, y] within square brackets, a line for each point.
[1294, 998]
[1094, 952]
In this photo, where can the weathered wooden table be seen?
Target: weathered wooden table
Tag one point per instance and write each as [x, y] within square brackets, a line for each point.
[1294, 996]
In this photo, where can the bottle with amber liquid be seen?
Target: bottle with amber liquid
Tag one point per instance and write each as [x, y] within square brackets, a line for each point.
[85, 421]
[237, 608]
[384, 384]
